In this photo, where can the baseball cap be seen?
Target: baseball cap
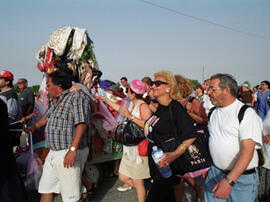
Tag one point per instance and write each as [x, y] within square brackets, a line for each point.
[245, 84]
[138, 86]
[6, 74]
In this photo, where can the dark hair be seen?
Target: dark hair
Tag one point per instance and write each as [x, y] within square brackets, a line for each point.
[10, 84]
[24, 80]
[147, 99]
[267, 83]
[138, 96]
[227, 81]
[200, 87]
[257, 86]
[125, 78]
[147, 80]
[63, 78]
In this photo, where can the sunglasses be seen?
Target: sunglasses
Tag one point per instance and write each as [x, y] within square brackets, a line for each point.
[158, 83]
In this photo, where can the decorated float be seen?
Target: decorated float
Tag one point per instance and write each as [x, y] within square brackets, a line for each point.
[71, 47]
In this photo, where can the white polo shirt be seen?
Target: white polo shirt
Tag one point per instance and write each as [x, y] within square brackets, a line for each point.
[226, 134]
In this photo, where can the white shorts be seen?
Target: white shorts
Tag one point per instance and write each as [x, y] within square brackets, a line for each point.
[57, 179]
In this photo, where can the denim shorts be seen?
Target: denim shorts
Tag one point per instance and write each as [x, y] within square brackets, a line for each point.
[244, 190]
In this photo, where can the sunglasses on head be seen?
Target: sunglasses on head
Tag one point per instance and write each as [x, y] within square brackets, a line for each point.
[158, 83]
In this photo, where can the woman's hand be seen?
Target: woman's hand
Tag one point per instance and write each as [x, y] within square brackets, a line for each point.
[74, 88]
[167, 160]
[171, 156]
[124, 112]
[23, 120]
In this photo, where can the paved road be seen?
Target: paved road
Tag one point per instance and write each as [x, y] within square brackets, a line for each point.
[106, 192]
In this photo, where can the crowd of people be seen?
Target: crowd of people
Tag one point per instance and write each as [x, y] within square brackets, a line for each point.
[163, 106]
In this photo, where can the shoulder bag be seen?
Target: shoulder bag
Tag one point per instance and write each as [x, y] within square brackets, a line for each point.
[196, 160]
[129, 133]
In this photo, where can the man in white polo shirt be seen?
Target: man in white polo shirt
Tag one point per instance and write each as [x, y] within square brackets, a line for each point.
[233, 176]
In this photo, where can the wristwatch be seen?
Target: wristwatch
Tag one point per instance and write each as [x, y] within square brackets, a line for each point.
[231, 182]
[73, 148]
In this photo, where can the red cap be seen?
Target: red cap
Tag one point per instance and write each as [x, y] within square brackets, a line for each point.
[6, 74]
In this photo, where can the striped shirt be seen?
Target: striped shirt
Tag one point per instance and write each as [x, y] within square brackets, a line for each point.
[72, 109]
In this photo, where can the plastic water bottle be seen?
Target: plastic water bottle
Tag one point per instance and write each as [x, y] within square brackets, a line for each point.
[124, 103]
[157, 155]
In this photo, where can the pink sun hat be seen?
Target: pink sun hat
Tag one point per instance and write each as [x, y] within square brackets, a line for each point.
[138, 86]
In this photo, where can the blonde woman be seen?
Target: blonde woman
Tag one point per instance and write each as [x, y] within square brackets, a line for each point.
[159, 129]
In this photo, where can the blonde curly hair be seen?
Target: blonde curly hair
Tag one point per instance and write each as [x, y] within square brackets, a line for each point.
[169, 78]
[184, 85]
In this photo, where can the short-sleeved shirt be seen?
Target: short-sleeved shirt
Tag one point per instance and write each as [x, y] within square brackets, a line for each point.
[159, 128]
[262, 105]
[72, 109]
[226, 133]
[26, 99]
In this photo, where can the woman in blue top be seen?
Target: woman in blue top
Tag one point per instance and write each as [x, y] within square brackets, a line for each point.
[261, 105]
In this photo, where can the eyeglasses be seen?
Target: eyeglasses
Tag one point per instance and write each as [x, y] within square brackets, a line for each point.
[214, 89]
[20, 82]
[158, 83]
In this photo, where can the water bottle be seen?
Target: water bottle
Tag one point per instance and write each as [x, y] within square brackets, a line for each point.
[157, 155]
[124, 103]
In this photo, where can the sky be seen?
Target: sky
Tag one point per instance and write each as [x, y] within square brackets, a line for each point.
[136, 38]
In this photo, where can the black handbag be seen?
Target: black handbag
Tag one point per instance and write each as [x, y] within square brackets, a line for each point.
[195, 158]
[129, 133]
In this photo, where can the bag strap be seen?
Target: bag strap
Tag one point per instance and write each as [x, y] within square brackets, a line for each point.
[173, 126]
[242, 112]
[210, 112]
[172, 122]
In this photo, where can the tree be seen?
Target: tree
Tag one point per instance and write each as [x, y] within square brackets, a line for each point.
[194, 83]
[34, 88]
[16, 88]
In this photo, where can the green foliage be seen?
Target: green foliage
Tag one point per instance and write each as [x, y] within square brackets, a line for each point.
[194, 83]
[16, 88]
[34, 88]
[88, 53]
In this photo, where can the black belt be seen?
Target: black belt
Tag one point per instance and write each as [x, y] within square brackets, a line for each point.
[250, 171]
[244, 173]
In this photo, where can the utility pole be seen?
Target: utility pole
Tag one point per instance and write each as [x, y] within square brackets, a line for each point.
[203, 74]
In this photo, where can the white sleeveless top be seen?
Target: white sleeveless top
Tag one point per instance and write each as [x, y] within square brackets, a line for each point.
[132, 151]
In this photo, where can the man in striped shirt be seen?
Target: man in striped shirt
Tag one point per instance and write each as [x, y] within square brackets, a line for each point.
[66, 134]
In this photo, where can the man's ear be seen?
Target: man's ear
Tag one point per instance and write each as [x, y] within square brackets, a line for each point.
[227, 91]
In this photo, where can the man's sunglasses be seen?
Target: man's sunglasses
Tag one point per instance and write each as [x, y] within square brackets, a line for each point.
[158, 83]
